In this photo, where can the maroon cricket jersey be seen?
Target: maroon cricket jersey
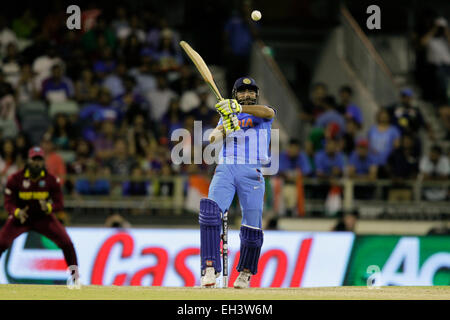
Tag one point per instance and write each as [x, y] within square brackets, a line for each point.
[22, 191]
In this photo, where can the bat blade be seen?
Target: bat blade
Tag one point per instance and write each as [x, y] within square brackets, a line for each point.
[202, 68]
[204, 71]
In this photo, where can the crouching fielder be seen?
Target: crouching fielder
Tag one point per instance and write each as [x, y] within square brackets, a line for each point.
[239, 171]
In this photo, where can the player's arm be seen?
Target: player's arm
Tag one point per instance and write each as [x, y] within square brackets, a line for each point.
[56, 196]
[10, 200]
[217, 135]
[11, 193]
[259, 111]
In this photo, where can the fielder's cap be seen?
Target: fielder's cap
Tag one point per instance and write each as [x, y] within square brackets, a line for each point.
[35, 152]
[245, 82]
[407, 92]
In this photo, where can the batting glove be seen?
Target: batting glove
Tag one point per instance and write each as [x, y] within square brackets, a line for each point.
[230, 123]
[228, 106]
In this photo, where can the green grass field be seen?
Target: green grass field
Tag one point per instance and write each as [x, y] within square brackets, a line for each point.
[50, 292]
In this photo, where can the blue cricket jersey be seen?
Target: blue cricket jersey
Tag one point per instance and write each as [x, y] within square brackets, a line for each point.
[250, 145]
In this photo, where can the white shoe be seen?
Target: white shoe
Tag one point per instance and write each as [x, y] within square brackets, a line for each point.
[209, 279]
[243, 280]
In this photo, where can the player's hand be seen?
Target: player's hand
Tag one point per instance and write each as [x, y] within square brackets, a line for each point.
[22, 214]
[44, 206]
[230, 124]
[228, 106]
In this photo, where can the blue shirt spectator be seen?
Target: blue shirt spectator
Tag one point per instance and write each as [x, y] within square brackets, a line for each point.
[329, 162]
[330, 115]
[346, 107]
[57, 88]
[300, 161]
[361, 163]
[239, 36]
[98, 112]
[383, 138]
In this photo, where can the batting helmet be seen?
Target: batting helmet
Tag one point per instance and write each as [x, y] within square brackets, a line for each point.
[244, 83]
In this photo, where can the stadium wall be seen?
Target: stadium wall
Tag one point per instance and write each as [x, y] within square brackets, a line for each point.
[168, 257]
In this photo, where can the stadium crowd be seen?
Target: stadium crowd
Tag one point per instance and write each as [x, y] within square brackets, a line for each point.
[104, 101]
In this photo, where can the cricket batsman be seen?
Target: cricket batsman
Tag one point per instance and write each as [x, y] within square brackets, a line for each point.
[242, 155]
[32, 196]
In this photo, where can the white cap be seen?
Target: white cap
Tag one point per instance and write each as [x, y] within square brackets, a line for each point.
[441, 21]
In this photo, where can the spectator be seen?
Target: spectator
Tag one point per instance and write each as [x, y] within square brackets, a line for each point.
[26, 90]
[61, 132]
[330, 115]
[330, 161]
[435, 167]
[104, 142]
[136, 186]
[114, 81]
[57, 88]
[407, 117]
[85, 88]
[239, 34]
[115, 220]
[437, 44]
[168, 53]
[132, 51]
[121, 163]
[144, 75]
[442, 228]
[94, 183]
[314, 106]
[347, 222]
[184, 82]
[22, 144]
[349, 137]
[42, 65]
[8, 123]
[383, 138]
[99, 37]
[131, 102]
[402, 165]
[362, 165]
[131, 29]
[403, 162]
[6, 35]
[120, 21]
[347, 108]
[294, 158]
[160, 98]
[190, 98]
[140, 137]
[7, 161]
[11, 64]
[53, 161]
[97, 112]
[83, 152]
[292, 162]
[203, 112]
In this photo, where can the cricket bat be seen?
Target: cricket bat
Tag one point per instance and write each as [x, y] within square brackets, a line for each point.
[203, 70]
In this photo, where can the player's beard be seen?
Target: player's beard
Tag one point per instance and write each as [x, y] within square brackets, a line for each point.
[247, 102]
[35, 171]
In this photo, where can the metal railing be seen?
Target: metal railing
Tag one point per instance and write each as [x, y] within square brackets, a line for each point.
[366, 62]
[377, 205]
